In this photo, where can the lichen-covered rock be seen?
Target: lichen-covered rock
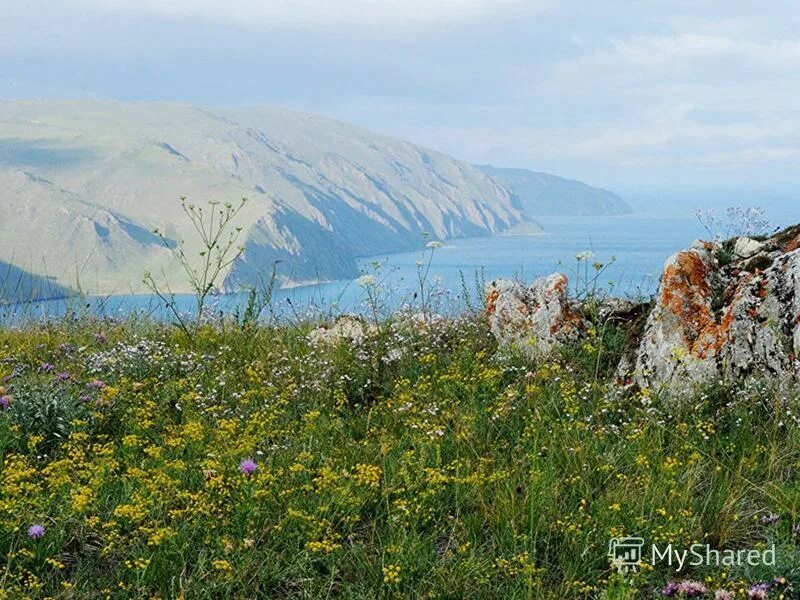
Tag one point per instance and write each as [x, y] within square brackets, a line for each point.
[715, 321]
[537, 319]
[681, 332]
[346, 327]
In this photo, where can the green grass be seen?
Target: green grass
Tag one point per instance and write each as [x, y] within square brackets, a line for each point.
[420, 463]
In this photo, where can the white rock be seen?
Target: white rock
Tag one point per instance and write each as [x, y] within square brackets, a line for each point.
[345, 327]
[746, 247]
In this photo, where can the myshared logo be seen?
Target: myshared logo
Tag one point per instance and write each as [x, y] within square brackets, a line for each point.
[628, 552]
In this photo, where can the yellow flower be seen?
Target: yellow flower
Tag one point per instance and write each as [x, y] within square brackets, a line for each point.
[323, 546]
[391, 574]
[367, 475]
[159, 535]
[130, 512]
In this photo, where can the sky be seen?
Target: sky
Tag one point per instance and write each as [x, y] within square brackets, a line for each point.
[625, 94]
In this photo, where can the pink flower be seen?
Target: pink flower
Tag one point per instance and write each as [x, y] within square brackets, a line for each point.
[691, 589]
[758, 591]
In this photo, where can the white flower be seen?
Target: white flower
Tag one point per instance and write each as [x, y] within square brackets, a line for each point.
[366, 280]
[434, 245]
[585, 255]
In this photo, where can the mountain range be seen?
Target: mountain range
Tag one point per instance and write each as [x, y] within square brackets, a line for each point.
[542, 194]
[84, 184]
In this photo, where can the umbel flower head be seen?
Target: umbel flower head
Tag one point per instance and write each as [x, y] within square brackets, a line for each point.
[36, 531]
[247, 467]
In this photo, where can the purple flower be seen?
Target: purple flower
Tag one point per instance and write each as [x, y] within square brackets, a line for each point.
[36, 531]
[692, 589]
[5, 402]
[247, 467]
[770, 519]
[63, 376]
[758, 591]
[723, 595]
[47, 367]
[670, 590]
[98, 383]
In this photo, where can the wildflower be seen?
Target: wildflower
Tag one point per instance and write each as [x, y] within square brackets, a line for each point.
[367, 475]
[723, 595]
[758, 591]
[585, 255]
[47, 367]
[691, 589]
[366, 280]
[63, 376]
[223, 567]
[391, 574]
[247, 467]
[36, 531]
[670, 590]
[324, 546]
[434, 245]
[98, 384]
[5, 402]
[769, 519]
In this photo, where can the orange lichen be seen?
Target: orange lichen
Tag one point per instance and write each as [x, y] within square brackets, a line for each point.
[491, 301]
[686, 293]
[560, 284]
[793, 244]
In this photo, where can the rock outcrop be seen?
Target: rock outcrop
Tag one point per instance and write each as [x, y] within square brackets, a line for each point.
[722, 311]
[346, 327]
[537, 319]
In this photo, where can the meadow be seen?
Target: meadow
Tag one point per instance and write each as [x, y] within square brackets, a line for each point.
[416, 461]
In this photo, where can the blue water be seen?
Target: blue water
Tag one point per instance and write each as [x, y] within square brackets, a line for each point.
[634, 248]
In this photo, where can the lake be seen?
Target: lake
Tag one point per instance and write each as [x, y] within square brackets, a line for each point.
[634, 248]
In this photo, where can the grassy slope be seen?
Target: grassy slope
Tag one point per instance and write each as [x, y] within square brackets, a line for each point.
[416, 464]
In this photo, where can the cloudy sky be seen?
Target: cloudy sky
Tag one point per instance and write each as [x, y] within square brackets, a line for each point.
[625, 94]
